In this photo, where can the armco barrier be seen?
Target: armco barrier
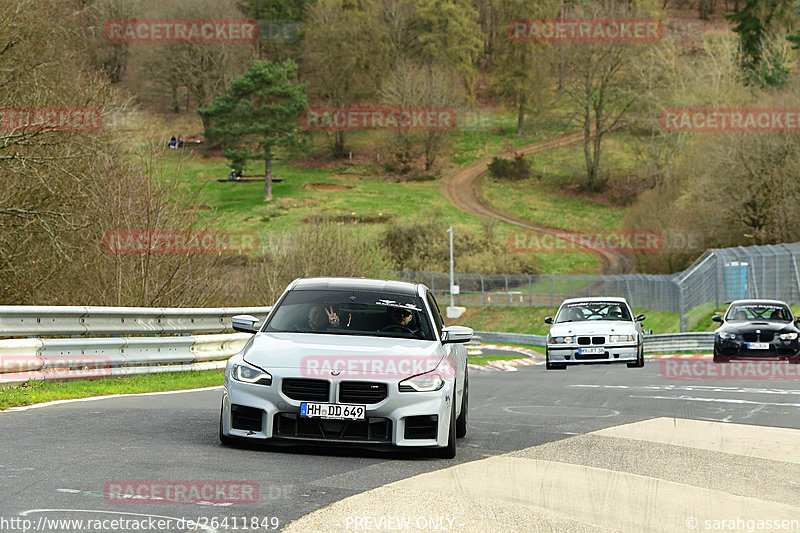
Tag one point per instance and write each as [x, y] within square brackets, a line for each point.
[41, 321]
[665, 343]
[45, 357]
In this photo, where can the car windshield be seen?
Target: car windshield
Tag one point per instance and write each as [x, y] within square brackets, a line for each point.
[579, 311]
[351, 313]
[758, 312]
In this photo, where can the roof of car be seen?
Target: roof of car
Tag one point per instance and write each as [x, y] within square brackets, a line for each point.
[595, 299]
[758, 301]
[357, 284]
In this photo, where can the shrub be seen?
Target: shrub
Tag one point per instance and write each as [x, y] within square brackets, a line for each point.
[507, 169]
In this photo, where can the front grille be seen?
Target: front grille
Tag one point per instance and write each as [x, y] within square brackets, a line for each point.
[598, 340]
[584, 340]
[246, 418]
[362, 392]
[765, 336]
[421, 427]
[307, 390]
[293, 426]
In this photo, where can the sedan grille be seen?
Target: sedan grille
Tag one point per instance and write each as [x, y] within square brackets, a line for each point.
[765, 336]
[362, 392]
[584, 341]
[307, 390]
[598, 340]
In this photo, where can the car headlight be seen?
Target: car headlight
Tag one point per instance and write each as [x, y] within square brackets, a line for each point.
[621, 338]
[250, 374]
[788, 336]
[723, 335]
[427, 382]
[562, 340]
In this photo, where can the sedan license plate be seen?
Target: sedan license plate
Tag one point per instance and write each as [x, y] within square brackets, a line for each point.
[758, 346]
[592, 351]
[332, 411]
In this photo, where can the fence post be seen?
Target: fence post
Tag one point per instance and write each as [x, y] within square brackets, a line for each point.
[552, 288]
[530, 290]
[508, 296]
[570, 285]
[483, 291]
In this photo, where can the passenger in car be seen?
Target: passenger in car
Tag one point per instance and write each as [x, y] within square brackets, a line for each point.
[321, 318]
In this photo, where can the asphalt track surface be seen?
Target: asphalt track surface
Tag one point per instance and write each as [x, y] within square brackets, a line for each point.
[57, 460]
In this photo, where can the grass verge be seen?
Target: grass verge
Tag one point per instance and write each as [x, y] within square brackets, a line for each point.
[37, 391]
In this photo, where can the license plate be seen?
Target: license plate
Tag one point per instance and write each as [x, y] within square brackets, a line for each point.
[592, 351]
[333, 411]
[758, 346]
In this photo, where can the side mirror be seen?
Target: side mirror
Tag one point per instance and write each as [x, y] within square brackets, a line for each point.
[456, 334]
[548, 320]
[717, 318]
[244, 323]
[640, 318]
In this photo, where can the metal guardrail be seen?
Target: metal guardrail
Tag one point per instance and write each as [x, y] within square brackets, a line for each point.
[140, 351]
[664, 343]
[39, 321]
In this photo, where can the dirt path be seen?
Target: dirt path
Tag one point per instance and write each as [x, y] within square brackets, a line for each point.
[463, 189]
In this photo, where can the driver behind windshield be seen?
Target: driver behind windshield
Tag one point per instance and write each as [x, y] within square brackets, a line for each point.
[399, 317]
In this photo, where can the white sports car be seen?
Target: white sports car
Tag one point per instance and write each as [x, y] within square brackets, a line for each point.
[351, 361]
[594, 330]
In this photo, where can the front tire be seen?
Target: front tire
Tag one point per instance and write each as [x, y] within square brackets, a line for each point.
[449, 451]
[461, 421]
[639, 359]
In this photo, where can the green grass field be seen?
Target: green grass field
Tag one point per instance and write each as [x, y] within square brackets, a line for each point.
[45, 391]
[359, 194]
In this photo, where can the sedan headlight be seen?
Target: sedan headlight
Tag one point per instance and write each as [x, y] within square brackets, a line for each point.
[250, 374]
[788, 336]
[427, 382]
[724, 336]
[562, 340]
[621, 338]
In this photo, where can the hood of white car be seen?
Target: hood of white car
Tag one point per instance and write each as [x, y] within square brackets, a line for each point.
[593, 327]
[316, 355]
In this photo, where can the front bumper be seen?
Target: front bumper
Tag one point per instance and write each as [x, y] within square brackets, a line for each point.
[738, 349]
[571, 354]
[419, 419]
